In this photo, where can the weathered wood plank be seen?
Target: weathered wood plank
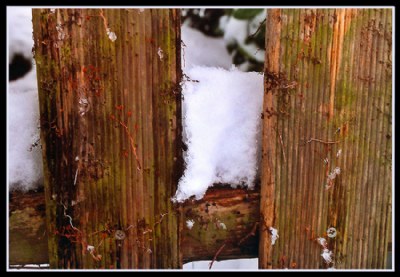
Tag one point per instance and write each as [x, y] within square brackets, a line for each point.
[27, 228]
[330, 90]
[237, 208]
[267, 196]
[111, 133]
[224, 216]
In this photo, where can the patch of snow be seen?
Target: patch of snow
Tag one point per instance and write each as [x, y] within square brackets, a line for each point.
[327, 255]
[237, 31]
[222, 123]
[223, 21]
[160, 53]
[111, 35]
[222, 225]
[28, 267]
[189, 223]
[60, 31]
[322, 242]
[274, 235]
[242, 264]
[19, 28]
[25, 167]
[83, 106]
[334, 173]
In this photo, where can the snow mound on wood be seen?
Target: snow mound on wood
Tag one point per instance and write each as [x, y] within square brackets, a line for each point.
[222, 123]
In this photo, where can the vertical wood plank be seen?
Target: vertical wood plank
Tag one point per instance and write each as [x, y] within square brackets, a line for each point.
[330, 87]
[111, 133]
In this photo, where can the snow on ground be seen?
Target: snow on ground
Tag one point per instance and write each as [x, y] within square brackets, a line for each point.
[222, 117]
[241, 264]
[24, 162]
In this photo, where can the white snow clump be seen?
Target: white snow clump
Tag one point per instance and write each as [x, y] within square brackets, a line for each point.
[222, 123]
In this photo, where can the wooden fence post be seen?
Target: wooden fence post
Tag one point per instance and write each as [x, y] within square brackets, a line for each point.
[327, 138]
[267, 195]
[110, 109]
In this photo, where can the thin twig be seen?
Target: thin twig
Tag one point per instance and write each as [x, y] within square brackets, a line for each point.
[283, 149]
[34, 144]
[76, 175]
[129, 227]
[148, 230]
[321, 141]
[104, 19]
[132, 143]
[96, 232]
[216, 255]
[161, 219]
[101, 242]
[42, 236]
[143, 247]
[70, 218]
[252, 233]
[183, 45]
[259, 27]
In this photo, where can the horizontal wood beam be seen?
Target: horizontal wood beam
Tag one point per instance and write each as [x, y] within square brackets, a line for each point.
[225, 216]
[236, 209]
[27, 225]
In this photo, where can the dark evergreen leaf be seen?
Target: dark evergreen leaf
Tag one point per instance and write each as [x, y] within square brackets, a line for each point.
[246, 13]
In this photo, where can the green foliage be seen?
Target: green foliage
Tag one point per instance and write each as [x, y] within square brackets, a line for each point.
[208, 21]
[246, 14]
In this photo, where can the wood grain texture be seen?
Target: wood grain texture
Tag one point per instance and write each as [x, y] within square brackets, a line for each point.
[332, 103]
[267, 196]
[111, 133]
[237, 209]
[223, 216]
[27, 228]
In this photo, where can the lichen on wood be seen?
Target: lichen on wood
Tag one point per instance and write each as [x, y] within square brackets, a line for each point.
[111, 157]
[341, 62]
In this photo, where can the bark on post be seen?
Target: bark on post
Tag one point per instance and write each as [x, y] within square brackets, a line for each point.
[110, 111]
[328, 118]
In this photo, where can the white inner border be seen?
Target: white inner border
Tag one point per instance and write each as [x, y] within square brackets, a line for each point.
[222, 7]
